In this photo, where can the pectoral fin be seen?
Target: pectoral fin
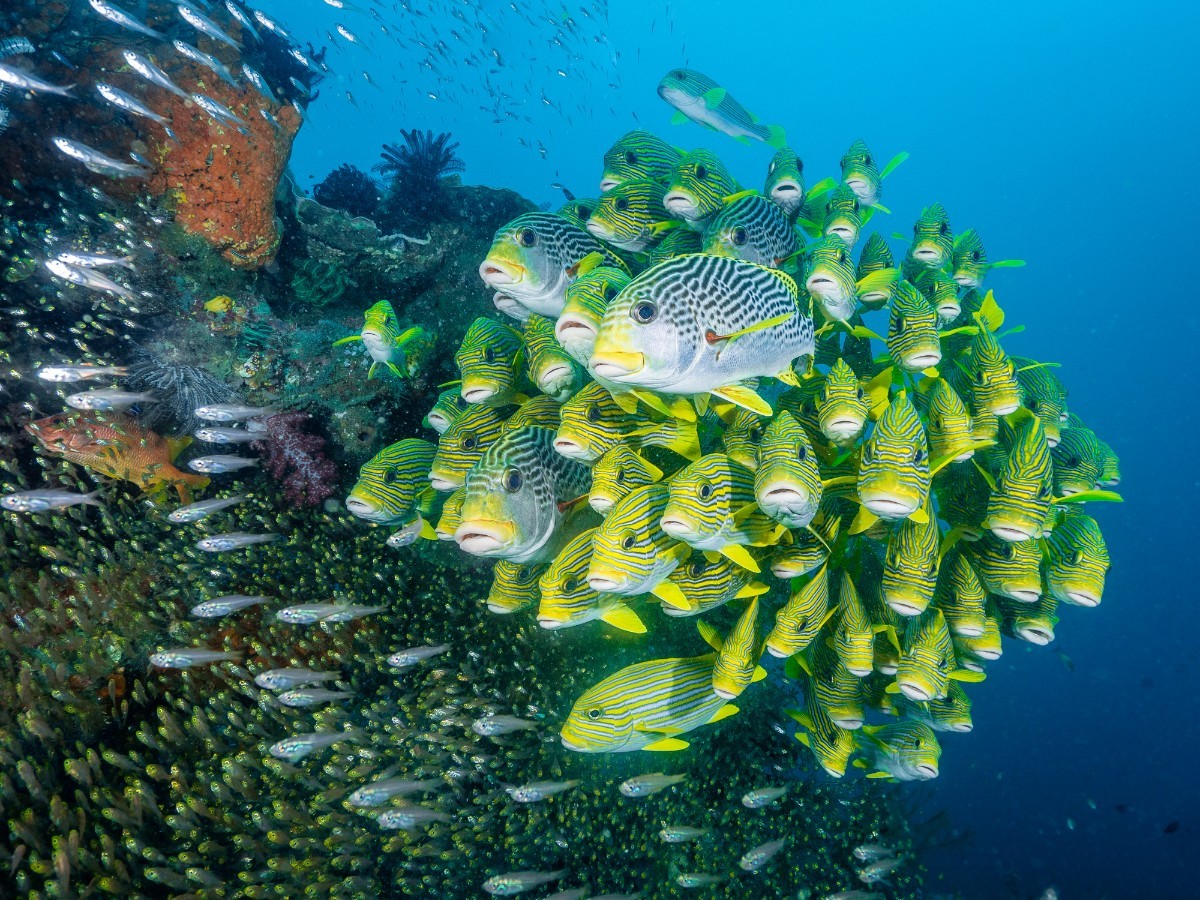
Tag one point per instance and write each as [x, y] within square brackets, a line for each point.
[347, 340]
[624, 618]
[723, 713]
[740, 555]
[678, 118]
[740, 395]
[668, 592]
[714, 96]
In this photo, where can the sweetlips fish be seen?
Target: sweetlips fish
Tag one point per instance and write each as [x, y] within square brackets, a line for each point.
[701, 324]
[948, 424]
[551, 369]
[752, 228]
[618, 472]
[960, 596]
[842, 216]
[912, 338]
[927, 659]
[831, 746]
[1019, 504]
[116, 446]
[970, 263]
[697, 97]
[542, 411]
[742, 435]
[785, 182]
[534, 259]
[893, 474]
[698, 188]
[631, 216]
[910, 566]
[463, 444]
[854, 634]
[949, 713]
[708, 584]
[490, 360]
[845, 404]
[932, 245]
[1034, 622]
[787, 482]
[837, 690]
[1077, 461]
[449, 406]
[514, 586]
[568, 600]
[810, 548]
[387, 344]
[1011, 569]
[638, 154]
[830, 278]
[801, 619]
[592, 422]
[587, 299]
[451, 516]
[1044, 395]
[1076, 561]
[518, 496]
[942, 293]
[875, 256]
[394, 484]
[645, 707]
[736, 665]
[991, 375]
[677, 242]
[905, 751]
[861, 175]
[577, 210]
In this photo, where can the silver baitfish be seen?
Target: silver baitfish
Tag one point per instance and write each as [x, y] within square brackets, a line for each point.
[234, 540]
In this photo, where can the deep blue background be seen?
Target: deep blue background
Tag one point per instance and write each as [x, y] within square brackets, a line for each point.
[1066, 133]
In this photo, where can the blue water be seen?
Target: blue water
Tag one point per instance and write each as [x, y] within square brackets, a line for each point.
[1066, 133]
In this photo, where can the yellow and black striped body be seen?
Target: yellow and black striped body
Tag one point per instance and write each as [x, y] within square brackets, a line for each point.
[514, 586]
[1076, 561]
[787, 482]
[463, 444]
[394, 483]
[893, 473]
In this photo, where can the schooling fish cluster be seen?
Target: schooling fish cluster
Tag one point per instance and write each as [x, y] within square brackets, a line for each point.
[693, 395]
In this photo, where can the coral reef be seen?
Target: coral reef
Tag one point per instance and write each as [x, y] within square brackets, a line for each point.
[418, 184]
[318, 283]
[180, 389]
[349, 189]
[296, 459]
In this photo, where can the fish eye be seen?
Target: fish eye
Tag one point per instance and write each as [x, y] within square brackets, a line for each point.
[867, 160]
[524, 575]
[631, 157]
[1031, 405]
[975, 254]
[1073, 557]
[594, 713]
[585, 212]
[933, 567]
[756, 434]
[918, 455]
[469, 441]
[620, 476]
[1071, 462]
[917, 743]
[706, 491]
[857, 206]
[512, 480]
[593, 413]
[1008, 551]
[740, 237]
[861, 393]
[528, 237]
[489, 355]
[644, 312]
[629, 542]
[701, 172]
[944, 228]
[867, 453]
[621, 203]
[771, 168]
[917, 228]
[696, 569]
[571, 585]
[898, 323]
[609, 293]
[802, 453]
[389, 477]
[1043, 492]
[979, 377]
[936, 423]
[842, 257]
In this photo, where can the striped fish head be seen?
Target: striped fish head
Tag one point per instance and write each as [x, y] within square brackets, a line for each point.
[785, 182]
[831, 746]
[590, 424]
[603, 719]
[1020, 504]
[800, 620]
[1077, 461]
[993, 377]
[914, 748]
[703, 497]
[854, 640]
[1110, 466]
[949, 423]
[960, 596]
[923, 672]
[616, 474]
[1008, 568]
[516, 496]
[706, 585]
[952, 712]
[449, 406]
[451, 516]
[685, 88]
[542, 411]
[805, 554]
[514, 586]
[587, 299]
[532, 259]
[462, 445]
[566, 597]
[698, 187]
[1077, 561]
[910, 566]
[973, 651]
[942, 294]
[860, 173]
[893, 474]
[829, 277]
[1033, 622]
[734, 666]
[741, 438]
[578, 211]
[1044, 396]
[678, 242]
[552, 370]
[630, 552]
[843, 408]
[390, 484]
[750, 228]
[625, 216]
[969, 260]
[838, 691]
[933, 243]
[912, 338]
[381, 330]
[874, 256]
[787, 482]
[843, 216]
[489, 359]
[638, 154]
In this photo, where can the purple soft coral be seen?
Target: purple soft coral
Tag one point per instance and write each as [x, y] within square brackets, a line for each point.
[294, 456]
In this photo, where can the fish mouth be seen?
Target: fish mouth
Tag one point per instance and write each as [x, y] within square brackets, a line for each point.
[614, 365]
[607, 183]
[679, 203]
[444, 482]
[923, 360]
[847, 722]
[484, 538]
[571, 745]
[571, 323]
[724, 693]
[1004, 408]
[820, 285]
[500, 609]
[571, 449]
[906, 606]
[788, 189]
[364, 509]
[915, 692]
[844, 428]
[677, 528]
[553, 376]
[859, 671]
[890, 506]
[478, 393]
[845, 232]
[499, 273]
[604, 584]
[947, 311]
[1039, 635]
[858, 185]
[927, 254]
[602, 505]
[927, 770]
[1051, 441]
[598, 230]
[1011, 533]
[1082, 597]
[1067, 490]
[550, 623]
[1022, 595]
[967, 281]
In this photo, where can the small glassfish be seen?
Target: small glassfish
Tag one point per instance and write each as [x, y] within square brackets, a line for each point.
[283, 679]
[218, 110]
[217, 435]
[235, 540]
[204, 24]
[491, 726]
[186, 657]
[539, 790]
[312, 696]
[89, 278]
[118, 16]
[679, 834]
[755, 859]
[214, 465]
[298, 746]
[378, 792]
[308, 613]
[697, 879]
[25, 81]
[402, 659]
[194, 512]
[152, 73]
[409, 817]
[350, 612]
[47, 499]
[106, 399]
[645, 785]
[223, 606]
[84, 372]
[869, 853]
[761, 797]
[231, 412]
[241, 18]
[95, 260]
[518, 882]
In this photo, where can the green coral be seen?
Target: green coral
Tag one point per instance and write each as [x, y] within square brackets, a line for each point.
[317, 283]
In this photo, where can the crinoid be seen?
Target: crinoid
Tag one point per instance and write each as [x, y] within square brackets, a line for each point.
[179, 387]
[348, 188]
[417, 173]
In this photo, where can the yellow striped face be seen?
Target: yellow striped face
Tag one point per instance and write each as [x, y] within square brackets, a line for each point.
[837, 690]
[927, 660]
[591, 424]
[638, 154]
[566, 597]
[843, 216]
[618, 472]
[389, 485]
[993, 377]
[933, 242]
[489, 359]
[949, 423]
[1077, 461]
[708, 585]
[734, 666]
[631, 554]
[1031, 622]
[1021, 502]
[912, 338]
[642, 703]
[893, 474]
[960, 596]
[1077, 561]
[697, 188]
[831, 746]
[800, 620]
[514, 586]
[449, 406]
[703, 499]
[625, 216]
[972, 652]
[451, 516]
[842, 410]
[741, 438]
[962, 497]
[1008, 568]
[587, 299]
[548, 365]
[787, 482]
[463, 444]
[854, 639]
[911, 566]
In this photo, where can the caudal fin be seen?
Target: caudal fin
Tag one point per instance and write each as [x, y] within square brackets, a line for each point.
[776, 137]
